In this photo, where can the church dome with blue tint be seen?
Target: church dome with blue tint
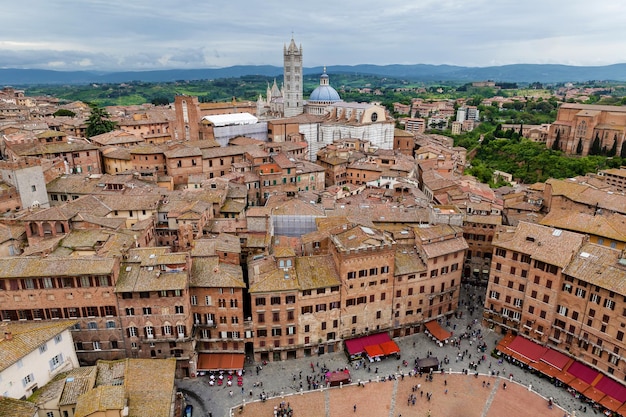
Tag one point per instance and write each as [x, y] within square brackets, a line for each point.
[324, 93]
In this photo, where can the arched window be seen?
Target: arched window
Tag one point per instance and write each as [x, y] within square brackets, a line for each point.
[581, 129]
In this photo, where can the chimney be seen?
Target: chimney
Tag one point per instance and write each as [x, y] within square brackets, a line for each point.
[8, 335]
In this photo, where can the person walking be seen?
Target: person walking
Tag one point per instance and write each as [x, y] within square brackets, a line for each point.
[354, 407]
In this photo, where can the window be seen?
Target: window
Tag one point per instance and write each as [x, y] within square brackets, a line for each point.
[132, 332]
[276, 317]
[610, 304]
[194, 300]
[179, 309]
[562, 310]
[28, 379]
[351, 275]
[495, 295]
[277, 332]
[384, 269]
[58, 339]
[290, 299]
[147, 310]
[56, 361]
[92, 325]
[260, 301]
[43, 348]
[275, 300]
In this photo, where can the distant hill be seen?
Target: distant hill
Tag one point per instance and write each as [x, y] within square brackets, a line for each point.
[523, 73]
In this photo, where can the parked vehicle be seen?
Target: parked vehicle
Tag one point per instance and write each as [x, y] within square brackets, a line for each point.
[188, 410]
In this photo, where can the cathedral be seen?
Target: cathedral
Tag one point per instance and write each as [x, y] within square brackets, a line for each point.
[338, 119]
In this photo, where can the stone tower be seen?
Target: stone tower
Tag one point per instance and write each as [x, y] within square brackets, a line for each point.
[292, 87]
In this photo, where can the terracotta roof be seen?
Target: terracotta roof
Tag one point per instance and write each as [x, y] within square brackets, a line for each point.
[316, 272]
[210, 273]
[599, 265]
[101, 399]
[143, 271]
[27, 336]
[10, 407]
[35, 267]
[408, 262]
[77, 382]
[612, 226]
[547, 244]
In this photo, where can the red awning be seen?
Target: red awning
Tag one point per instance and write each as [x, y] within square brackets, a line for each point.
[610, 403]
[357, 345]
[437, 331]
[374, 351]
[220, 361]
[583, 372]
[593, 394]
[554, 358]
[565, 377]
[389, 348]
[528, 349]
[612, 388]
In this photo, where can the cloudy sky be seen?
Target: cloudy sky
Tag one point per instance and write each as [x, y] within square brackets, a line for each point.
[162, 34]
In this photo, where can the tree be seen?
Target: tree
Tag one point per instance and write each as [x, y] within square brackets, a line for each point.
[556, 145]
[622, 153]
[579, 147]
[613, 150]
[595, 146]
[99, 121]
[64, 112]
[160, 101]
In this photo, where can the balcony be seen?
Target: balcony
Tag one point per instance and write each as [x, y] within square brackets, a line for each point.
[208, 324]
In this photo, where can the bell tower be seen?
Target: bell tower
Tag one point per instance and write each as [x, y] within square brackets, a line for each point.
[292, 83]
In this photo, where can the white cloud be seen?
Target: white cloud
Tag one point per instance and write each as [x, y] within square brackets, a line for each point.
[155, 34]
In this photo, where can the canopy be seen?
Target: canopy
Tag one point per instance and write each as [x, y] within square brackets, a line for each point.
[554, 358]
[437, 331]
[582, 372]
[374, 351]
[220, 361]
[357, 345]
[336, 377]
[527, 348]
[426, 364]
[612, 388]
[593, 394]
[389, 348]
[610, 403]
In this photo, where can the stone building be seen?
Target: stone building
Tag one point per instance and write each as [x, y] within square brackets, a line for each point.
[50, 288]
[154, 306]
[558, 289]
[577, 126]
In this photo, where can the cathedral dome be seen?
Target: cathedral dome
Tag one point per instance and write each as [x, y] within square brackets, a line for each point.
[324, 93]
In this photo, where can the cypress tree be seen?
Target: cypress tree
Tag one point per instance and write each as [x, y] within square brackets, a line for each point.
[556, 145]
[595, 146]
[579, 147]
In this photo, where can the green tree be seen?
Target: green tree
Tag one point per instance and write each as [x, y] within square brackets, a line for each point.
[622, 153]
[579, 147]
[613, 150]
[595, 146]
[556, 145]
[64, 112]
[99, 121]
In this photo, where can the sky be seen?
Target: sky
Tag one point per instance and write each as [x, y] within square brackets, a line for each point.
[139, 35]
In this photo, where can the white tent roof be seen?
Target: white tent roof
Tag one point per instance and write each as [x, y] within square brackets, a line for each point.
[231, 119]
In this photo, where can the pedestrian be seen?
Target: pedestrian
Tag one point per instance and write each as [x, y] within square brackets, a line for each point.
[354, 407]
[230, 393]
[504, 386]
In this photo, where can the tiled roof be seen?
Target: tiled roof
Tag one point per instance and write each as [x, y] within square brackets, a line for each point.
[26, 337]
[316, 272]
[77, 382]
[408, 262]
[599, 265]
[547, 244]
[360, 237]
[612, 226]
[101, 399]
[444, 247]
[34, 267]
[10, 407]
[210, 273]
[150, 387]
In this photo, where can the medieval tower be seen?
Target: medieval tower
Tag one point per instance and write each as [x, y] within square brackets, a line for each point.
[292, 87]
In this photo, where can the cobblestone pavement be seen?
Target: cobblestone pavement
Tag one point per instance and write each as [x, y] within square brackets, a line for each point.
[284, 378]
